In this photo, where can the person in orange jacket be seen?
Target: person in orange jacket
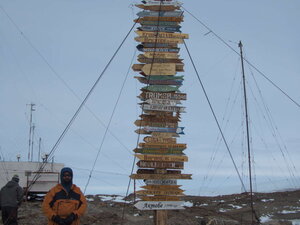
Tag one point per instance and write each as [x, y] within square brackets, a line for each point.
[64, 204]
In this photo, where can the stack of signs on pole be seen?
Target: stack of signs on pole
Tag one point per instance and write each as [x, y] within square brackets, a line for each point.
[161, 158]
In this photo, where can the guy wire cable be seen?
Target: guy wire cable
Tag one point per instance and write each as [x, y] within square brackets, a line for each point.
[215, 117]
[79, 109]
[108, 125]
[246, 60]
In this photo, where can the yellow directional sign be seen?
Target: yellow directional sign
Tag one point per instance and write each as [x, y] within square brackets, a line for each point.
[164, 55]
[159, 40]
[161, 176]
[162, 34]
[159, 69]
[160, 198]
[160, 192]
[150, 139]
[166, 158]
[153, 18]
[163, 135]
[155, 145]
[155, 124]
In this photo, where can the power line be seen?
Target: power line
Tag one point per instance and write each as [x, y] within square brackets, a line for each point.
[246, 60]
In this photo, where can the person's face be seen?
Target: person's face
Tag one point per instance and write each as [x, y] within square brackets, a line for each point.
[67, 177]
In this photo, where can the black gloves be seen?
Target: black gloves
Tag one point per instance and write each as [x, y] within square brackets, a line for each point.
[66, 221]
[70, 219]
[58, 220]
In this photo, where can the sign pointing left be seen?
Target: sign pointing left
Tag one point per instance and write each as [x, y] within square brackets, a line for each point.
[154, 205]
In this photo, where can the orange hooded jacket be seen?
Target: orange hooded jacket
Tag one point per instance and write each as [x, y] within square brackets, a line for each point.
[58, 202]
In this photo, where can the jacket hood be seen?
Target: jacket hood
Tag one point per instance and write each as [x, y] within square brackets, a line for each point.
[11, 184]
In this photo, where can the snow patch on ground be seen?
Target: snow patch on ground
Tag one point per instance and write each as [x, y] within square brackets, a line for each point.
[265, 218]
[114, 198]
[267, 200]
[90, 199]
[188, 204]
[288, 211]
[295, 222]
[222, 210]
[235, 206]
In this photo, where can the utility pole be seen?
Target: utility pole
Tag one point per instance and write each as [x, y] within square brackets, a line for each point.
[32, 109]
[32, 141]
[247, 130]
[39, 154]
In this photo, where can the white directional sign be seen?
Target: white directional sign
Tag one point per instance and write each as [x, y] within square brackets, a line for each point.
[164, 108]
[161, 182]
[164, 205]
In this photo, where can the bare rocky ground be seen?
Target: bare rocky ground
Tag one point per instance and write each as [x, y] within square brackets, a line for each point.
[280, 208]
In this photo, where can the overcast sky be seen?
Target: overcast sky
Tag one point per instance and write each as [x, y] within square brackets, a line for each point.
[65, 45]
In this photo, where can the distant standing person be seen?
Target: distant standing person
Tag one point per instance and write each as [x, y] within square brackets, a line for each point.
[64, 204]
[11, 196]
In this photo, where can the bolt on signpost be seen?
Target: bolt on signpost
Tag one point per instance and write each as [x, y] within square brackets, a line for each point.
[161, 158]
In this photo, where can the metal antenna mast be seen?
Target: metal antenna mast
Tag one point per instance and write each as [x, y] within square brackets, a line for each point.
[248, 135]
[30, 129]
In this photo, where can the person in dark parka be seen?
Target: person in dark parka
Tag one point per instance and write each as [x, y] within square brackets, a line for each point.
[11, 196]
[64, 204]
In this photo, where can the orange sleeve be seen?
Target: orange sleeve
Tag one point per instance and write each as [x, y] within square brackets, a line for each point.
[48, 211]
[81, 210]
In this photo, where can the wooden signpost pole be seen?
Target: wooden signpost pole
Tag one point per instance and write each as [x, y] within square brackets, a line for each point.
[160, 217]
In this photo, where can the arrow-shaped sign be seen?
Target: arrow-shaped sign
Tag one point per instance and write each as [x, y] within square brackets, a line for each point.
[160, 192]
[161, 182]
[162, 35]
[160, 13]
[160, 28]
[164, 158]
[165, 108]
[161, 88]
[161, 176]
[150, 139]
[158, 95]
[160, 165]
[153, 205]
[159, 40]
[178, 130]
[159, 82]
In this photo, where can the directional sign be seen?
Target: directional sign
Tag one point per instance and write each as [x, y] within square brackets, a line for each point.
[163, 135]
[144, 49]
[166, 158]
[161, 176]
[160, 40]
[160, 13]
[174, 19]
[157, 95]
[162, 77]
[159, 45]
[157, 66]
[143, 59]
[158, 151]
[165, 55]
[178, 130]
[162, 187]
[159, 82]
[160, 28]
[158, 23]
[161, 182]
[150, 139]
[155, 124]
[154, 171]
[165, 108]
[159, 69]
[166, 102]
[160, 88]
[157, 2]
[158, 7]
[162, 35]
[160, 192]
[160, 198]
[160, 119]
[162, 165]
[155, 145]
[157, 205]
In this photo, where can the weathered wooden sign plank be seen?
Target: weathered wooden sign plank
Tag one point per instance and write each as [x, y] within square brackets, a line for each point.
[155, 124]
[150, 139]
[154, 145]
[153, 18]
[160, 88]
[160, 192]
[178, 130]
[162, 165]
[159, 45]
[158, 23]
[158, 7]
[143, 59]
[161, 182]
[166, 158]
[165, 55]
[144, 80]
[158, 2]
[160, 119]
[157, 95]
[158, 151]
[164, 135]
[153, 171]
[166, 102]
[159, 205]
[160, 28]
[159, 40]
[162, 35]
[165, 108]
[158, 66]
[162, 187]
[160, 13]
[160, 198]
[141, 48]
[162, 77]
[161, 176]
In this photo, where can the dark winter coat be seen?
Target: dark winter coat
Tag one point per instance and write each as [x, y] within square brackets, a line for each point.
[11, 194]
